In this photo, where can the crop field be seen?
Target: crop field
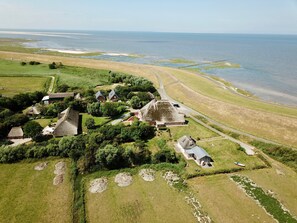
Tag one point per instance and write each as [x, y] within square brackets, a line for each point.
[29, 196]
[142, 201]
[10, 86]
[225, 202]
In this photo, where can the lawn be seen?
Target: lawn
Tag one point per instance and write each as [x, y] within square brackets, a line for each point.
[225, 202]
[98, 121]
[224, 153]
[10, 86]
[141, 202]
[46, 121]
[193, 129]
[29, 196]
[161, 138]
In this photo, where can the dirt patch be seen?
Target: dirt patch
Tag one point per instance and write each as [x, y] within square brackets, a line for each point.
[41, 166]
[59, 171]
[147, 174]
[60, 168]
[98, 185]
[123, 179]
[171, 178]
[58, 179]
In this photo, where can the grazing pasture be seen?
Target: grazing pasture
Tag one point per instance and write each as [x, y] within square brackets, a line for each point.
[28, 195]
[145, 202]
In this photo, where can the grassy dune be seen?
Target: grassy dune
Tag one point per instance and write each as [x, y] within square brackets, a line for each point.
[29, 196]
[150, 202]
[274, 122]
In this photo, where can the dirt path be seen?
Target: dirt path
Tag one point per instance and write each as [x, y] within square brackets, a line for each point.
[51, 87]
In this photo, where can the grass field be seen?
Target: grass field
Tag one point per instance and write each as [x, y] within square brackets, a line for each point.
[29, 196]
[10, 86]
[281, 180]
[249, 115]
[98, 120]
[145, 202]
[194, 129]
[72, 76]
[225, 202]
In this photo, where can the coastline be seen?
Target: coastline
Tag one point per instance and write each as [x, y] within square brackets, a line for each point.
[252, 116]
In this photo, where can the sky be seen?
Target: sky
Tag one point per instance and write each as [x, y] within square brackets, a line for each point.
[194, 16]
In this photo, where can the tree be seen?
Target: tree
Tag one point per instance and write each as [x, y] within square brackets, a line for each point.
[90, 123]
[63, 88]
[135, 102]
[165, 156]
[73, 147]
[33, 129]
[112, 157]
[110, 109]
[94, 109]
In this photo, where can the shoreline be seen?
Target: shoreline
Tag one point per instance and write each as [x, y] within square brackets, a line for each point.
[265, 94]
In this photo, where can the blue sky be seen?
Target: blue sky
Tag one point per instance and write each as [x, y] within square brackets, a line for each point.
[198, 16]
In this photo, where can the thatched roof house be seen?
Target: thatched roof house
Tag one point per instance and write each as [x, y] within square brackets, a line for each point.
[50, 98]
[190, 150]
[161, 113]
[68, 123]
[99, 96]
[16, 133]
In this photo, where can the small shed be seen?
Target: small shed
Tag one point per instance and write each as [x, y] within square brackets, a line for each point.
[100, 97]
[112, 96]
[16, 133]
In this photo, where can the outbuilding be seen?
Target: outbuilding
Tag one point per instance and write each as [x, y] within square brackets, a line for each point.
[16, 133]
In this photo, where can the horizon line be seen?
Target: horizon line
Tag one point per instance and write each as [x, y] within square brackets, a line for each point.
[133, 31]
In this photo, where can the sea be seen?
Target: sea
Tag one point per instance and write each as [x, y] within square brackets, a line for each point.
[268, 63]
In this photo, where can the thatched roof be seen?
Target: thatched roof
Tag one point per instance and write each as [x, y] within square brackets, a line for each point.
[68, 123]
[187, 142]
[60, 95]
[161, 112]
[16, 132]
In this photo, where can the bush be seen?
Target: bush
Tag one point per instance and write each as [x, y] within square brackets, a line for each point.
[165, 156]
[90, 123]
[33, 130]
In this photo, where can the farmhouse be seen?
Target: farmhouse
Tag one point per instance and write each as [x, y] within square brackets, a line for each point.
[50, 98]
[100, 97]
[67, 124]
[113, 96]
[16, 133]
[161, 113]
[190, 150]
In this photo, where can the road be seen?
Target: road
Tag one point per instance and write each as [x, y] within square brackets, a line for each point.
[192, 113]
